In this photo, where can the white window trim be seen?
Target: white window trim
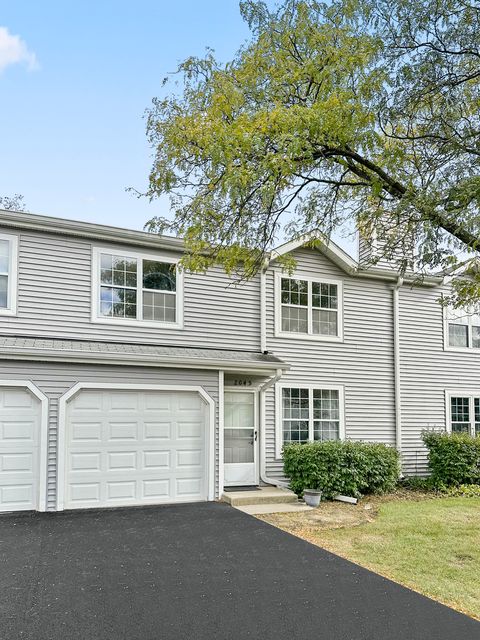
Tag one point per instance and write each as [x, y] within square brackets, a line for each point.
[140, 255]
[461, 393]
[295, 385]
[307, 336]
[11, 309]
[446, 344]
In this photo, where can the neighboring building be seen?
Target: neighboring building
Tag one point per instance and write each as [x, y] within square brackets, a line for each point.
[124, 381]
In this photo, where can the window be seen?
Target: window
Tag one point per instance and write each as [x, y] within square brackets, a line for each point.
[463, 329]
[309, 413]
[465, 414]
[8, 274]
[132, 287]
[309, 308]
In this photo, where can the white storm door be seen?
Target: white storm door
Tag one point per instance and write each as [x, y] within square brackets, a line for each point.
[20, 420]
[240, 438]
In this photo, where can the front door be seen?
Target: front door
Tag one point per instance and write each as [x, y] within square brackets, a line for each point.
[240, 438]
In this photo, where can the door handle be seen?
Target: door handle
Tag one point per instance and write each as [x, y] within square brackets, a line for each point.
[256, 433]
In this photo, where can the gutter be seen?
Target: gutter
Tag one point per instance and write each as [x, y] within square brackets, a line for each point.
[396, 364]
[142, 360]
[263, 471]
[88, 230]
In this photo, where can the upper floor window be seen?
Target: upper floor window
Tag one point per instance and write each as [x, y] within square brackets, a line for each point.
[133, 287]
[463, 329]
[8, 274]
[309, 308]
[464, 414]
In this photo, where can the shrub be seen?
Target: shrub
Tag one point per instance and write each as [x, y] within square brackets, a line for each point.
[453, 458]
[345, 467]
[418, 483]
[464, 491]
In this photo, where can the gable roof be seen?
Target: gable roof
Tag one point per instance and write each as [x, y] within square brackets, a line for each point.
[326, 246]
[342, 259]
[119, 235]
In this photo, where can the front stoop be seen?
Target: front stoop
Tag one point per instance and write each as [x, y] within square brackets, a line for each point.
[266, 495]
[287, 507]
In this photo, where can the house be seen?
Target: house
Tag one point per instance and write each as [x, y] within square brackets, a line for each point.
[124, 381]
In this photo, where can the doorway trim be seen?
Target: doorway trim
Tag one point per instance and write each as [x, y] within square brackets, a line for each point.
[256, 435]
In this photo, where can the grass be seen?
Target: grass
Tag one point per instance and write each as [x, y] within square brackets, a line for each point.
[429, 545]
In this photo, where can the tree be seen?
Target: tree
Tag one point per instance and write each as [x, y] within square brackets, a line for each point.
[364, 111]
[12, 203]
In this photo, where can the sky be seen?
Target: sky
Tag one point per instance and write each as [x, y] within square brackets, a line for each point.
[75, 80]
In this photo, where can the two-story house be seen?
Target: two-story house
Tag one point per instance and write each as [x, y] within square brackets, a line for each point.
[125, 381]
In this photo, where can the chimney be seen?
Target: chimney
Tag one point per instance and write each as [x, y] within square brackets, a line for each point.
[387, 242]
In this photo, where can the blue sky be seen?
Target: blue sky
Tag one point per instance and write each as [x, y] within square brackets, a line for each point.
[71, 128]
[75, 80]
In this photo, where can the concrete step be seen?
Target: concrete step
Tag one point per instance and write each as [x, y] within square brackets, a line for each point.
[287, 507]
[266, 495]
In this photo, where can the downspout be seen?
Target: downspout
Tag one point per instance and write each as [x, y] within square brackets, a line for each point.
[263, 440]
[263, 311]
[396, 364]
[263, 347]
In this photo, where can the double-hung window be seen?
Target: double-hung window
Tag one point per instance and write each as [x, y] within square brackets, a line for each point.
[463, 329]
[464, 413]
[8, 274]
[309, 413]
[132, 287]
[309, 308]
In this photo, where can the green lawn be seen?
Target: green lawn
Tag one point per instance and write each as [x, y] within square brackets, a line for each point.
[431, 546]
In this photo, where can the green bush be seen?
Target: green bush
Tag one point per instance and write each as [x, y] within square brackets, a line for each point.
[453, 458]
[345, 467]
[418, 483]
[464, 491]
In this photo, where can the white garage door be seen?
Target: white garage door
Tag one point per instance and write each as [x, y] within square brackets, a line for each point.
[135, 447]
[20, 419]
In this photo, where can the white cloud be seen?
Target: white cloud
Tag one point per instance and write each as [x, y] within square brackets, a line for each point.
[13, 50]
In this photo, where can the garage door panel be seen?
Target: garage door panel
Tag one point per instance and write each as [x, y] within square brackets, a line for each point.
[156, 489]
[189, 458]
[158, 430]
[17, 496]
[86, 461]
[19, 431]
[154, 455]
[122, 460]
[20, 422]
[124, 401]
[156, 460]
[188, 486]
[122, 431]
[85, 432]
[16, 463]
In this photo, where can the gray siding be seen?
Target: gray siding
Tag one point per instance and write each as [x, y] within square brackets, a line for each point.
[362, 363]
[427, 371]
[55, 379]
[54, 300]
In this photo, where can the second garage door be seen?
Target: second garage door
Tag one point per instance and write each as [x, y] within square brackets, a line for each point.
[134, 447]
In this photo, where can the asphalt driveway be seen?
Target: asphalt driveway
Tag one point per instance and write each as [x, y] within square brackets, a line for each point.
[196, 572]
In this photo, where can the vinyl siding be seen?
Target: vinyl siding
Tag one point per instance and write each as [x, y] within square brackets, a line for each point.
[55, 379]
[54, 300]
[427, 371]
[362, 363]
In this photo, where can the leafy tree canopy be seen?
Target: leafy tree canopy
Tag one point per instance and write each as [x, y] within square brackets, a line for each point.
[363, 111]
[12, 203]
